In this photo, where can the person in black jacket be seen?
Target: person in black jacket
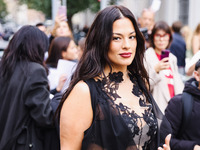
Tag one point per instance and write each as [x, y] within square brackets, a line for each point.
[25, 107]
[189, 137]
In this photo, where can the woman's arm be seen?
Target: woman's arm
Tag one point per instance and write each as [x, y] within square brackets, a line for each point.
[36, 95]
[76, 117]
[196, 147]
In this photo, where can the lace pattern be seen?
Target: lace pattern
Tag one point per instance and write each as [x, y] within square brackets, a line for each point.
[143, 127]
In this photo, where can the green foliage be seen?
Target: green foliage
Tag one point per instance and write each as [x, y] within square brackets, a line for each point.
[3, 10]
[94, 6]
[113, 2]
[41, 5]
[75, 6]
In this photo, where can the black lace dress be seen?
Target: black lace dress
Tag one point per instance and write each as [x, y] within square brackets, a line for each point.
[116, 126]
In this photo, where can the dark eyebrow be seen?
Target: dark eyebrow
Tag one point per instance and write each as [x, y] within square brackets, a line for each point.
[121, 34]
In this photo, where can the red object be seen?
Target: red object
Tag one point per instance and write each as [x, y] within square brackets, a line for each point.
[169, 78]
[125, 55]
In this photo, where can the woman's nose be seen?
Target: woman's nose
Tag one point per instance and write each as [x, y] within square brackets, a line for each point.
[126, 44]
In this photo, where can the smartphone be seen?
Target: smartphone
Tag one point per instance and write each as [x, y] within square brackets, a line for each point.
[165, 53]
[62, 10]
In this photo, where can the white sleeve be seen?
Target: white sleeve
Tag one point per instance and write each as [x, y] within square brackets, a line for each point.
[193, 60]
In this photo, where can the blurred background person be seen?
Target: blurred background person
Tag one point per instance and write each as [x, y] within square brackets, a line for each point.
[147, 20]
[60, 48]
[165, 81]
[60, 28]
[190, 66]
[186, 32]
[81, 47]
[178, 47]
[196, 40]
[26, 112]
[41, 26]
[185, 120]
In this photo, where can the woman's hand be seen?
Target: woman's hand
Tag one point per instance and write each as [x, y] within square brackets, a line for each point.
[59, 18]
[166, 146]
[162, 65]
[196, 147]
[61, 82]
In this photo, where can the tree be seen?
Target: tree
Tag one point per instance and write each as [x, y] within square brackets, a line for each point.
[3, 10]
[73, 6]
[41, 5]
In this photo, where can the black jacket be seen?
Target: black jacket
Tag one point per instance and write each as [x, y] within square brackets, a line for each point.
[26, 114]
[173, 112]
[178, 48]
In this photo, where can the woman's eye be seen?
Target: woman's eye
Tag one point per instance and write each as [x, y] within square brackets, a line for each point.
[116, 38]
[132, 37]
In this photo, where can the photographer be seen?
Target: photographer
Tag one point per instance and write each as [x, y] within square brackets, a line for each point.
[146, 23]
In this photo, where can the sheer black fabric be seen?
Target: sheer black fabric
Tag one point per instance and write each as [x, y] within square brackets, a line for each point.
[116, 126]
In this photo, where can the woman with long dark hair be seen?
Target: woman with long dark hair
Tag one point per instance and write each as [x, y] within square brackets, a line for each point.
[25, 110]
[108, 105]
[61, 48]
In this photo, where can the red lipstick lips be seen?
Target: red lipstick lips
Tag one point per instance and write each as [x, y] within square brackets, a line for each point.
[125, 55]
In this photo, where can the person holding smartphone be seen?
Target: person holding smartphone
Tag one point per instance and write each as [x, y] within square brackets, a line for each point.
[61, 26]
[165, 81]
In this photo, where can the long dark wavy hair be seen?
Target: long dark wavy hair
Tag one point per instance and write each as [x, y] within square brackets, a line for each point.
[28, 44]
[58, 45]
[95, 55]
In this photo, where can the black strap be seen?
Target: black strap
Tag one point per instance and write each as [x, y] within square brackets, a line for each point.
[93, 91]
[187, 102]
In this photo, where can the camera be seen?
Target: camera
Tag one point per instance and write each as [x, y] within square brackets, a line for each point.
[145, 33]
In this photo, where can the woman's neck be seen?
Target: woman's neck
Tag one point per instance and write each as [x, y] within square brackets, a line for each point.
[122, 69]
[158, 51]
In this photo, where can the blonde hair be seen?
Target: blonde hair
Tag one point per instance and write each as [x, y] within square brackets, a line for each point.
[186, 32]
[56, 26]
[197, 30]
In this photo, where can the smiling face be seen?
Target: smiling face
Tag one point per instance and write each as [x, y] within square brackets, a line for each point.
[123, 44]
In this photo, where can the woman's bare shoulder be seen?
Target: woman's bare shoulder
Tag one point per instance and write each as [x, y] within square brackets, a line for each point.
[78, 100]
[79, 94]
[81, 87]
